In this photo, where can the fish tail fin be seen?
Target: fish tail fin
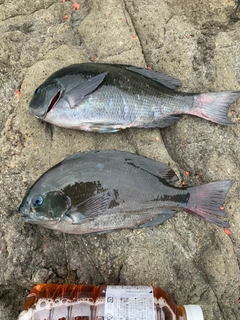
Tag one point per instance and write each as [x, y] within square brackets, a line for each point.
[214, 106]
[206, 201]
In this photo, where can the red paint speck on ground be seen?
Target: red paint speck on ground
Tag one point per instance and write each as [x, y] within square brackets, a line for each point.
[221, 208]
[76, 6]
[227, 231]
[187, 173]
[17, 93]
[65, 17]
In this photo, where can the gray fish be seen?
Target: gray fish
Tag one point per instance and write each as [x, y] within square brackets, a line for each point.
[100, 191]
[107, 98]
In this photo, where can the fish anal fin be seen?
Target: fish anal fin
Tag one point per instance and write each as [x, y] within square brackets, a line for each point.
[162, 122]
[158, 219]
[91, 208]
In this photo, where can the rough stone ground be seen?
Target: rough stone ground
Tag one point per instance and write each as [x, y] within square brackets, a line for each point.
[195, 41]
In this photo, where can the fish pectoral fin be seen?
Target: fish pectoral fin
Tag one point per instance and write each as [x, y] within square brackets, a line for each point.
[160, 77]
[78, 93]
[91, 208]
[158, 219]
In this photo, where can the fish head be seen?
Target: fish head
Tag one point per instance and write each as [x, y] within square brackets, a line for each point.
[45, 98]
[44, 209]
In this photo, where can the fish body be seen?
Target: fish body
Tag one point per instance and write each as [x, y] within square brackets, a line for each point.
[101, 191]
[106, 98]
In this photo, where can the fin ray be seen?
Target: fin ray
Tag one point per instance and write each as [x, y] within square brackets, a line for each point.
[78, 93]
[206, 201]
[214, 106]
[91, 208]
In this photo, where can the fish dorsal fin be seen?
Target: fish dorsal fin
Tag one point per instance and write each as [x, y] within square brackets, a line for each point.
[79, 155]
[76, 95]
[91, 208]
[160, 77]
[156, 168]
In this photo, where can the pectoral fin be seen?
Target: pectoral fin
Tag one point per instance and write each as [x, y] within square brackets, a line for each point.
[75, 96]
[91, 208]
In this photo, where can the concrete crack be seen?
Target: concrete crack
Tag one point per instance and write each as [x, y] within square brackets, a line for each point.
[84, 240]
[131, 24]
[27, 14]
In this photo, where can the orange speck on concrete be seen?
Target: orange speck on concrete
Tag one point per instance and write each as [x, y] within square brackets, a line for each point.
[227, 231]
[17, 93]
[76, 6]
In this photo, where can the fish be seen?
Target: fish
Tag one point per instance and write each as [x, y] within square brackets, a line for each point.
[104, 190]
[109, 97]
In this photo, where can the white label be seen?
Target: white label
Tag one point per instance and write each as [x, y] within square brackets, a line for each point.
[129, 303]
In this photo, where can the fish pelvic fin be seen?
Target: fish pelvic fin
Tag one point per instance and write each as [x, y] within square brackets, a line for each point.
[206, 201]
[214, 106]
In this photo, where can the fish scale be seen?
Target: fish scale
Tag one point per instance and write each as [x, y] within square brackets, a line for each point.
[101, 191]
[106, 98]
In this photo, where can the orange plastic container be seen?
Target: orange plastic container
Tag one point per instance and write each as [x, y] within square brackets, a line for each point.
[88, 302]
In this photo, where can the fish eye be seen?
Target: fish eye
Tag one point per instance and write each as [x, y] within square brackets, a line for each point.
[37, 90]
[37, 201]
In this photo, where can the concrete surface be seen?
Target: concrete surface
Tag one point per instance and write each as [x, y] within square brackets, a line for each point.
[195, 41]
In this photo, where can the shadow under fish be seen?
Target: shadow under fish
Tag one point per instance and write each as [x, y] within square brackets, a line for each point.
[101, 191]
[109, 97]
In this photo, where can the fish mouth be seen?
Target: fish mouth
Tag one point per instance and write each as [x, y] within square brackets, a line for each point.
[25, 216]
[54, 101]
[27, 219]
[25, 213]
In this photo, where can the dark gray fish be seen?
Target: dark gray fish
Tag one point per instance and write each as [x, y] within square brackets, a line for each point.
[107, 98]
[100, 191]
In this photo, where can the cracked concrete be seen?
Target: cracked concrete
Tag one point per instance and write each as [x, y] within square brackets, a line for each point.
[198, 43]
